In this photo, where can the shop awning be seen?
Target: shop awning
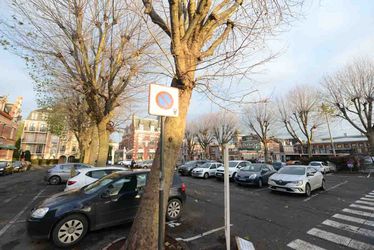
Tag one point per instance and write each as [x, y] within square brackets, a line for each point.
[9, 147]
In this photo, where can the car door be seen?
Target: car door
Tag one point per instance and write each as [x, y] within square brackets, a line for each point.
[118, 202]
[212, 169]
[94, 175]
[313, 178]
[65, 171]
[265, 173]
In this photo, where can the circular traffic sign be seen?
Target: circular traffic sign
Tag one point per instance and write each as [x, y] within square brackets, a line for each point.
[164, 100]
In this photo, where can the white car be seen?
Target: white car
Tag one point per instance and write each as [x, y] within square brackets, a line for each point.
[125, 163]
[206, 170]
[89, 175]
[234, 167]
[297, 179]
[320, 166]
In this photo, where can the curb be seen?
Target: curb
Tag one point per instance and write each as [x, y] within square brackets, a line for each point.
[113, 242]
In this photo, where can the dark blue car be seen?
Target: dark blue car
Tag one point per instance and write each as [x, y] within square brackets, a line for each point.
[254, 174]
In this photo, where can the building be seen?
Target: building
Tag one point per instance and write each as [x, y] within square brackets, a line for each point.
[42, 144]
[140, 139]
[344, 145]
[10, 115]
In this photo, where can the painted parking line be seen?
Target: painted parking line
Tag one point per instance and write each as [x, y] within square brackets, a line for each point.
[349, 228]
[363, 207]
[15, 218]
[369, 196]
[333, 187]
[367, 199]
[303, 245]
[357, 212]
[202, 234]
[339, 239]
[365, 202]
[354, 219]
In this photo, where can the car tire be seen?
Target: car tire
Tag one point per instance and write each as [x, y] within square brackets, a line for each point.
[323, 186]
[174, 210]
[233, 176]
[70, 230]
[206, 176]
[308, 190]
[54, 180]
[259, 184]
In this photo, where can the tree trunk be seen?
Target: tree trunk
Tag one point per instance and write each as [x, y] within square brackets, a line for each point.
[94, 146]
[144, 231]
[266, 152]
[103, 135]
[370, 136]
[309, 148]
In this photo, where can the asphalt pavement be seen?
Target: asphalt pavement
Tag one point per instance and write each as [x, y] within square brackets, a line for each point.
[339, 218]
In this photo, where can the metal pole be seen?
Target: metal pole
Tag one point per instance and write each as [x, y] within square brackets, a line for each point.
[161, 212]
[331, 140]
[227, 195]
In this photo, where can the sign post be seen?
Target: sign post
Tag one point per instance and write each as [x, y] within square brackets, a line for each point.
[227, 195]
[164, 102]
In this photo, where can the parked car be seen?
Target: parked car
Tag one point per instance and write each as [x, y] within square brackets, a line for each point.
[66, 217]
[145, 164]
[320, 166]
[234, 167]
[86, 176]
[125, 163]
[254, 174]
[186, 169]
[206, 170]
[6, 167]
[293, 162]
[278, 165]
[60, 173]
[297, 179]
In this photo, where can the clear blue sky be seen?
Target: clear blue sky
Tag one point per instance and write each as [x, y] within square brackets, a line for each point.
[329, 35]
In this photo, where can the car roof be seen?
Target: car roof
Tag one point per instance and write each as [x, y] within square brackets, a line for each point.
[292, 166]
[99, 168]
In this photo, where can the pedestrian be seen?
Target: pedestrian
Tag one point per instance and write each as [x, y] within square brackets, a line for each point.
[350, 164]
[132, 165]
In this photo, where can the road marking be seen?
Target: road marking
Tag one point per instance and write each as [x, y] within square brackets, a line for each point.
[303, 245]
[341, 240]
[202, 234]
[354, 219]
[362, 213]
[333, 187]
[371, 193]
[363, 207]
[9, 199]
[369, 196]
[349, 228]
[367, 199]
[365, 202]
[15, 218]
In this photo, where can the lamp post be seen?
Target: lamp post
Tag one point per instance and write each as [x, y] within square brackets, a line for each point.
[326, 110]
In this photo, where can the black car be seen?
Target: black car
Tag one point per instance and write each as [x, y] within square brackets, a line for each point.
[186, 169]
[114, 199]
[278, 165]
[255, 174]
[6, 168]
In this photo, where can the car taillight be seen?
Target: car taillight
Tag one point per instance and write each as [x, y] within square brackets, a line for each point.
[183, 187]
[71, 182]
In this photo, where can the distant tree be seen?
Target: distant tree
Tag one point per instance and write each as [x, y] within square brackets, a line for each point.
[27, 156]
[300, 113]
[224, 126]
[190, 139]
[350, 92]
[204, 133]
[260, 119]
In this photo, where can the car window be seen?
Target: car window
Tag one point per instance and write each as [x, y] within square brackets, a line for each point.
[242, 164]
[97, 174]
[265, 168]
[66, 167]
[141, 180]
[213, 166]
[311, 170]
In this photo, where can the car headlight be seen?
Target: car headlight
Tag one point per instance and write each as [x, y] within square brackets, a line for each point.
[298, 183]
[40, 212]
[252, 176]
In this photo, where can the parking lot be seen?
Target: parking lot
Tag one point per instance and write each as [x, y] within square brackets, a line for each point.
[270, 220]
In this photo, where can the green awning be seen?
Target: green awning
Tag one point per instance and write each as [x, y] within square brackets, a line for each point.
[10, 147]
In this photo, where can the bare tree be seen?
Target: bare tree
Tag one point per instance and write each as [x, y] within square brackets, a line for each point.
[207, 39]
[351, 94]
[204, 133]
[224, 126]
[96, 46]
[190, 139]
[260, 118]
[299, 112]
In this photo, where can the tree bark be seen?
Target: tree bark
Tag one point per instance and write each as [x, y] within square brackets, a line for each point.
[309, 148]
[94, 146]
[370, 136]
[103, 135]
[144, 232]
[266, 152]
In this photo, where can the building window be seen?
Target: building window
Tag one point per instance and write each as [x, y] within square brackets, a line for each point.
[141, 127]
[39, 149]
[62, 149]
[74, 149]
[152, 128]
[32, 127]
[43, 128]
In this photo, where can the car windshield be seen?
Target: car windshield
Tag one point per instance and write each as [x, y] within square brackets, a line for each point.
[314, 164]
[252, 168]
[205, 165]
[232, 164]
[93, 187]
[292, 170]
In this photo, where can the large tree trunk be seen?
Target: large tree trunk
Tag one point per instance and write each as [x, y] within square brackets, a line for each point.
[266, 152]
[144, 232]
[309, 148]
[103, 135]
[370, 136]
[94, 146]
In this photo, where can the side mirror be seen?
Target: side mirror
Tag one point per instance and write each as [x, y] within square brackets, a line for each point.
[105, 194]
[310, 174]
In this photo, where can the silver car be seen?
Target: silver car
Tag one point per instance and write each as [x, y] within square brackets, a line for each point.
[206, 170]
[61, 172]
[297, 179]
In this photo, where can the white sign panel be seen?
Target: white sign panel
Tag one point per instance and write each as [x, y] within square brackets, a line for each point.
[163, 100]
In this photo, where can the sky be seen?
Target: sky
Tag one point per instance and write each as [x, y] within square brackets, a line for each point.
[328, 35]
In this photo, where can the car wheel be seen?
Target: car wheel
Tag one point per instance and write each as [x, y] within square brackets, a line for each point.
[206, 176]
[323, 186]
[174, 210]
[259, 184]
[54, 180]
[69, 230]
[233, 176]
[308, 190]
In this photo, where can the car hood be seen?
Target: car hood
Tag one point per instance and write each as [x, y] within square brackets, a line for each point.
[61, 198]
[287, 177]
[247, 173]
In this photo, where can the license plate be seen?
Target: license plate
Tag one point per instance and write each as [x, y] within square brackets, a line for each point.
[219, 174]
[281, 189]
[242, 179]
